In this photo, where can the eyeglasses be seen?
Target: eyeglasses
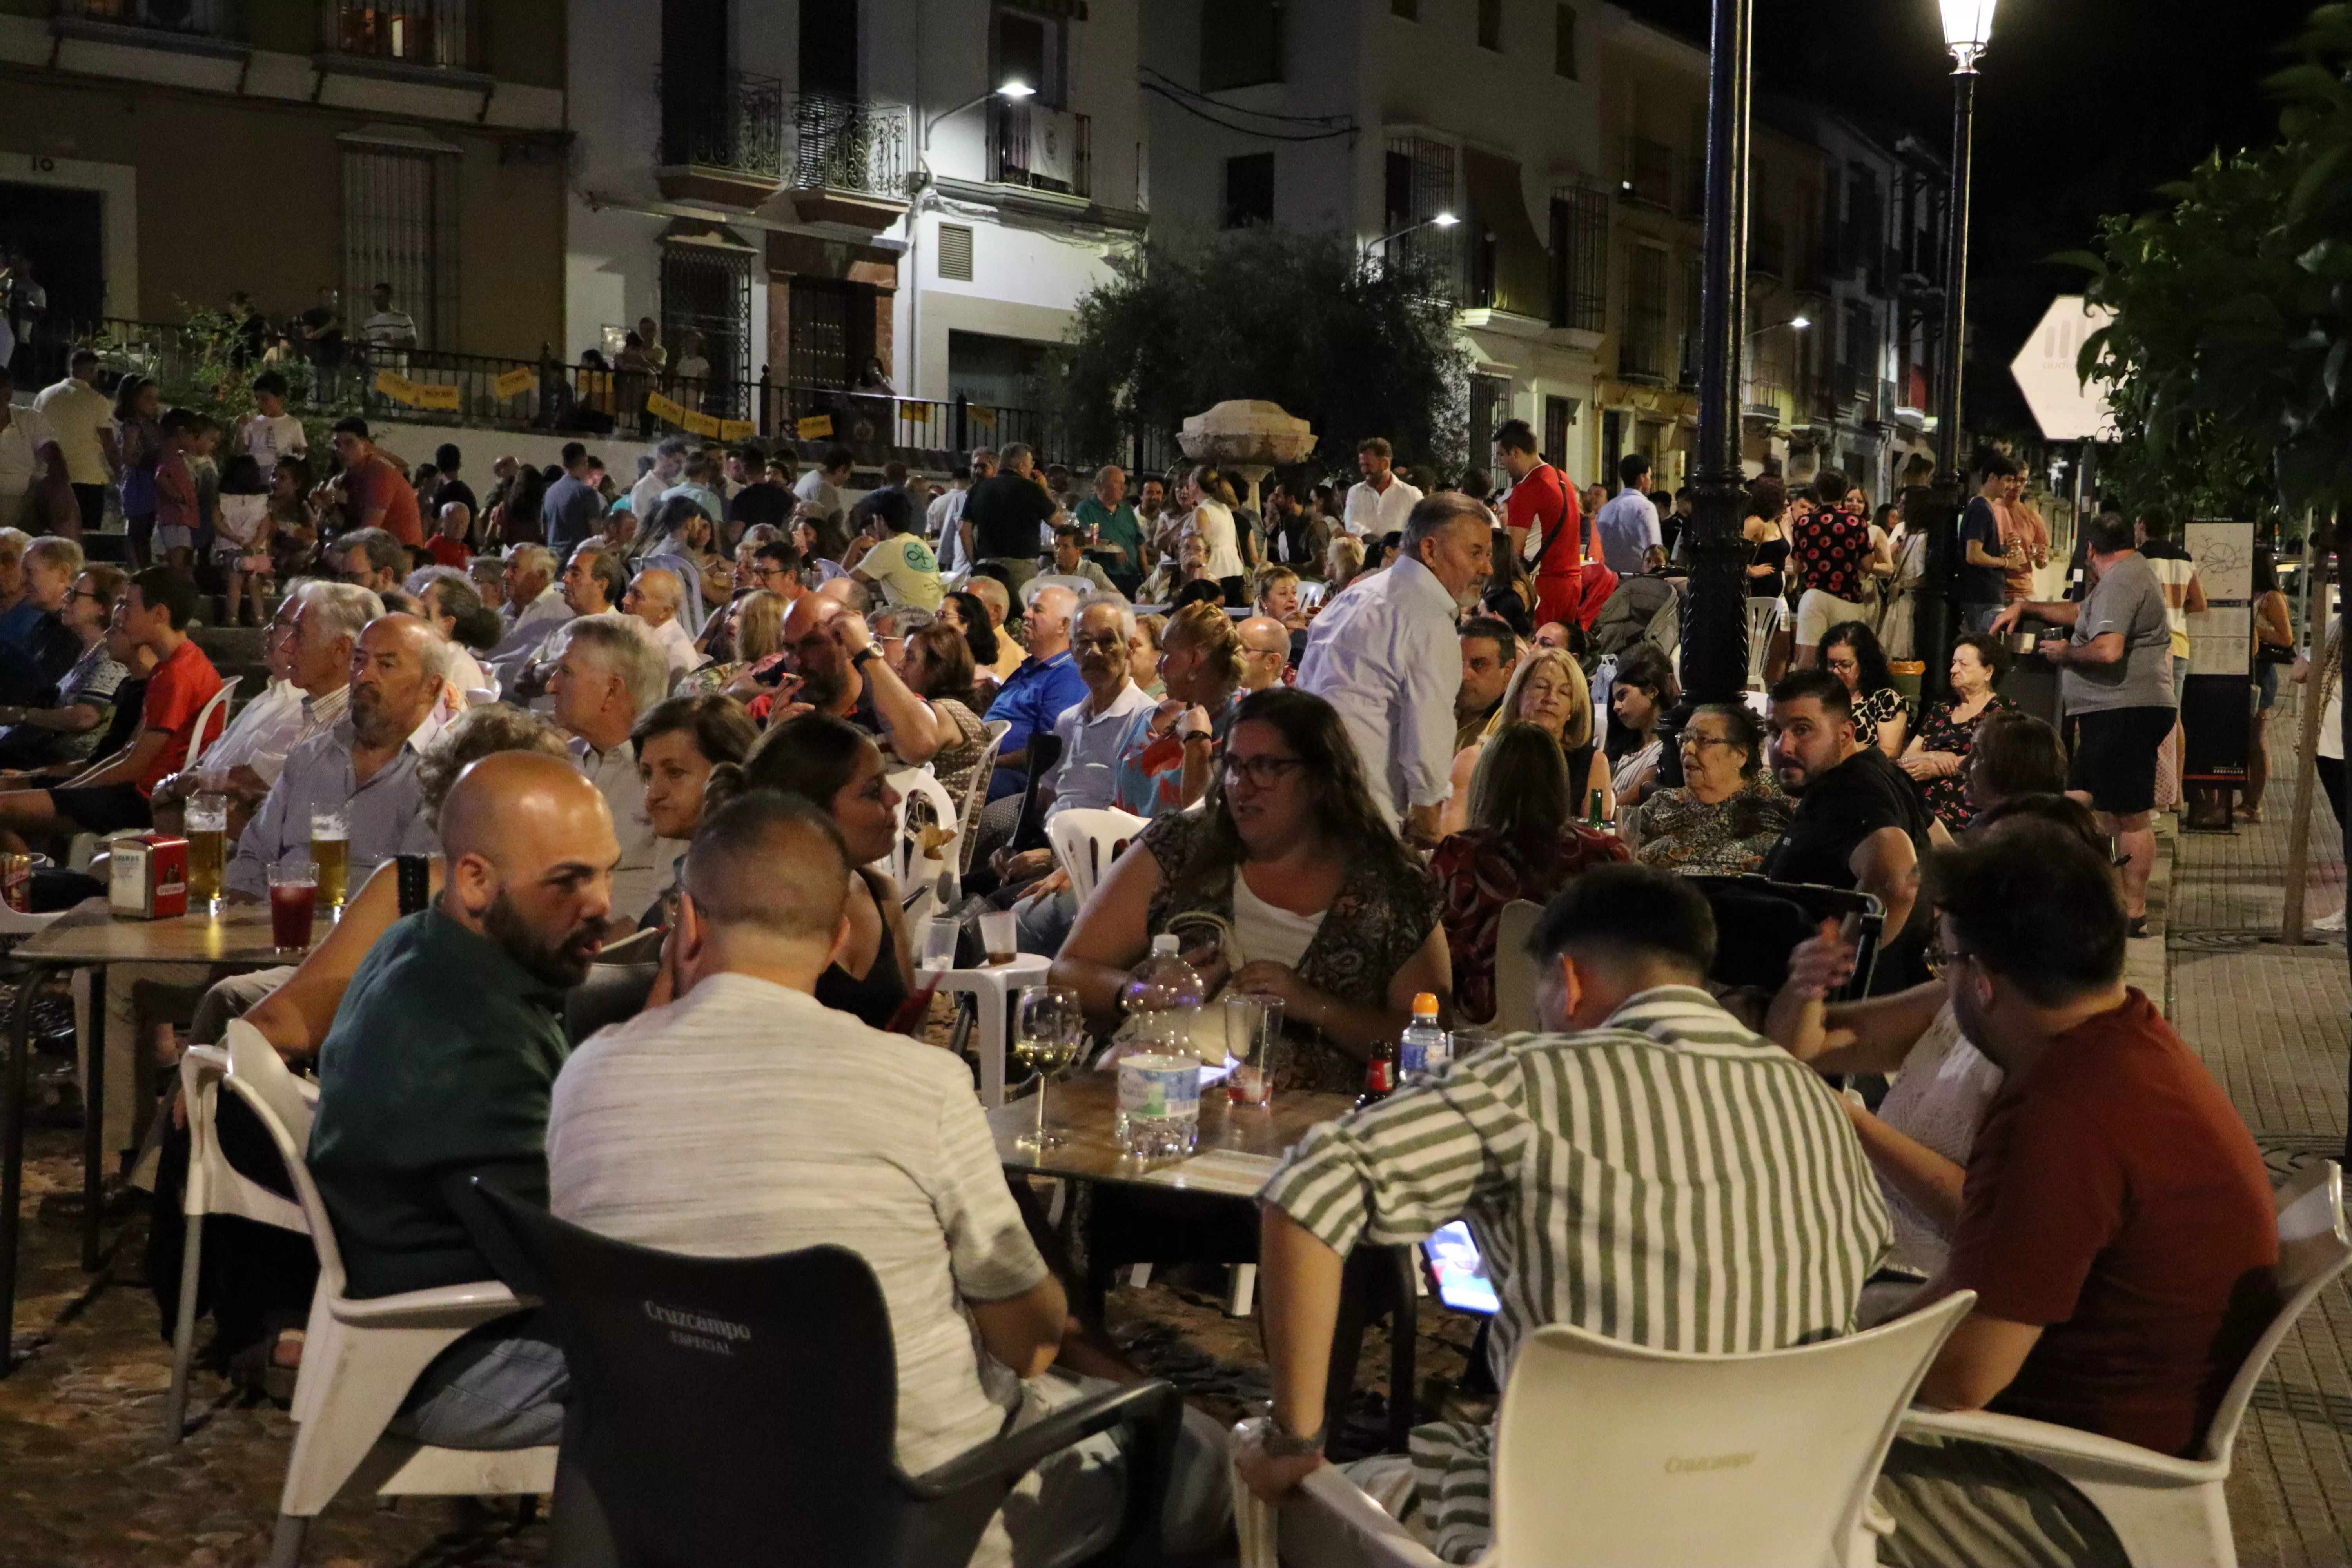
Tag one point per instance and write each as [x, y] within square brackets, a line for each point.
[1695, 739]
[1940, 960]
[1259, 771]
[94, 598]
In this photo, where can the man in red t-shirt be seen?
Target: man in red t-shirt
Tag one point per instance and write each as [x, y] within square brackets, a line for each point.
[381, 495]
[2115, 1222]
[1546, 523]
[111, 795]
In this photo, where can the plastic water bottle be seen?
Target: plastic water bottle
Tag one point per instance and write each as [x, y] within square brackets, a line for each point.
[1163, 997]
[1424, 1048]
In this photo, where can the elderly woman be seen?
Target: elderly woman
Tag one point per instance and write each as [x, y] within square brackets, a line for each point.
[1326, 908]
[1522, 841]
[1143, 651]
[2012, 755]
[1938, 756]
[1644, 692]
[1548, 690]
[1211, 500]
[759, 648]
[1168, 751]
[1850, 651]
[1727, 814]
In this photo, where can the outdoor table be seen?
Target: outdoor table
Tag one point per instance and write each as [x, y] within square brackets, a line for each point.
[239, 939]
[1239, 1148]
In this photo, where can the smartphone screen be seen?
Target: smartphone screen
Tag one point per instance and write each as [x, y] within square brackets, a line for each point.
[1457, 1270]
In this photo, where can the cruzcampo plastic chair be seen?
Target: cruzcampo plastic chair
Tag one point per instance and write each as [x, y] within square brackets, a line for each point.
[744, 1410]
[360, 1359]
[1611, 1456]
[1085, 841]
[2170, 1512]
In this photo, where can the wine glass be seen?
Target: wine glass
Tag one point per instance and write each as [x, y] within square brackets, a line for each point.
[1046, 1041]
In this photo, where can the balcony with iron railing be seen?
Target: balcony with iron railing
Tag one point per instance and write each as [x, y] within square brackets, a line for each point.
[848, 159]
[1042, 148]
[414, 35]
[166, 22]
[1648, 354]
[1649, 178]
[722, 137]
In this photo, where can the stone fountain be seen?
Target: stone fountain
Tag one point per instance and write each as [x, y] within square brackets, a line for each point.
[1249, 436]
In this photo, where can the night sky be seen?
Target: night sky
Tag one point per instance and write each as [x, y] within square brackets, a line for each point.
[2083, 108]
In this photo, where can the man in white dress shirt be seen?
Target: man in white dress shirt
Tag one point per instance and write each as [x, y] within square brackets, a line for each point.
[1385, 656]
[1379, 504]
[607, 672]
[1628, 525]
[655, 599]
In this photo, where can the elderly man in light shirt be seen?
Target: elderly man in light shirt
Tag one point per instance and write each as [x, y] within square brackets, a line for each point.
[607, 673]
[533, 611]
[364, 767]
[653, 598]
[1385, 656]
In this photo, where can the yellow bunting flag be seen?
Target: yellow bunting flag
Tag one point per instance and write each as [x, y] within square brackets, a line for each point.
[515, 382]
[918, 412]
[700, 422]
[395, 387]
[431, 395]
[816, 426]
[662, 408]
[732, 430]
[979, 415]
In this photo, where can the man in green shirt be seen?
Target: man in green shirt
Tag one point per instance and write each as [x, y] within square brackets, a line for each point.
[439, 1069]
[1118, 537]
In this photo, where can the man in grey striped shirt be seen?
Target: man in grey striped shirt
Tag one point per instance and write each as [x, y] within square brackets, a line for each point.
[1647, 1169]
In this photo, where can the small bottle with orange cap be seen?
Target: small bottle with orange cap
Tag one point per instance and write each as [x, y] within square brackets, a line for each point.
[1424, 1048]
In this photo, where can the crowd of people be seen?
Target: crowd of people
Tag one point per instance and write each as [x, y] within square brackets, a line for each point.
[1358, 726]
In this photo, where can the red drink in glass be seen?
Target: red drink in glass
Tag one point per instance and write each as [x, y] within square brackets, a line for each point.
[289, 915]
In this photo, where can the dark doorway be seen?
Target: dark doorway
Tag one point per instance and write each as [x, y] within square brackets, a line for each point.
[693, 79]
[829, 47]
[832, 331]
[59, 234]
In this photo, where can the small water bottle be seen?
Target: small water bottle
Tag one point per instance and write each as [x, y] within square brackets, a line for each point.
[1424, 1048]
[1163, 996]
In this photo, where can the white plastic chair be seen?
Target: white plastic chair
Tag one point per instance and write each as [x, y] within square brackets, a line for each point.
[214, 1186]
[906, 852]
[212, 709]
[1613, 1456]
[360, 1358]
[2170, 1512]
[975, 795]
[1515, 967]
[1086, 839]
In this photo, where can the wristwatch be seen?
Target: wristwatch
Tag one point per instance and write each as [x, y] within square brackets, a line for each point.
[857, 660]
[1189, 736]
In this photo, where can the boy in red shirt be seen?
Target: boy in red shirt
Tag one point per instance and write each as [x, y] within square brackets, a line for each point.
[111, 795]
[2115, 1222]
[1546, 523]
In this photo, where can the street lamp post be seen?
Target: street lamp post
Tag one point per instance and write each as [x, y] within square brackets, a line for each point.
[1714, 627]
[1441, 220]
[1012, 93]
[1967, 27]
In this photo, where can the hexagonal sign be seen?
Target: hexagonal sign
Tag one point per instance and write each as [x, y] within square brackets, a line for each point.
[2066, 406]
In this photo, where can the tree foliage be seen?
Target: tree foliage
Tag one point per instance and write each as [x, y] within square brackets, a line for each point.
[2226, 362]
[1355, 347]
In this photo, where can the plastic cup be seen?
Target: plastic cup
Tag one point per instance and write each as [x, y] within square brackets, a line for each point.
[1000, 933]
[293, 899]
[939, 944]
[1158, 1106]
[1253, 1025]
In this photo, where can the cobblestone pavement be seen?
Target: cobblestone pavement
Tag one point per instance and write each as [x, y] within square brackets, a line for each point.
[2271, 1023]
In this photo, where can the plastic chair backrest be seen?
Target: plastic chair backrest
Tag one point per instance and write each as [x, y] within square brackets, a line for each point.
[1758, 922]
[1611, 1455]
[2314, 1249]
[255, 1064]
[212, 709]
[720, 1400]
[1515, 967]
[906, 851]
[1086, 840]
[306, 1191]
[1044, 751]
[975, 795]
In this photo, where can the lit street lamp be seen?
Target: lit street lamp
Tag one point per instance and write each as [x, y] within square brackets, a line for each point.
[1443, 220]
[1794, 323]
[1012, 93]
[1967, 27]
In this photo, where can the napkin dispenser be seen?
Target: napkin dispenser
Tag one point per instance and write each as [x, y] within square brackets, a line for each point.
[147, 876]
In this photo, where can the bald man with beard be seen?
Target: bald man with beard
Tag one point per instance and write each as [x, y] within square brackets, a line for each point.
[440, 1067]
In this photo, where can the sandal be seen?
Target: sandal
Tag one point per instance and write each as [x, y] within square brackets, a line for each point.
[2139, 925]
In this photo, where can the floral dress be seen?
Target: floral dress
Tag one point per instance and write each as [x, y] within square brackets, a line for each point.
[1678, 832]
[1479, 873]
[1947, 794]
[1381, 916]
[1875, 710]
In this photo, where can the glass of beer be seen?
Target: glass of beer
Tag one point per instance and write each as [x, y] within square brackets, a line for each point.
[207, 824]
[293, 899]
[330, 847]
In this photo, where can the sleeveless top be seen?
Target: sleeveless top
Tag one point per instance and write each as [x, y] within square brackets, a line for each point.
[1939, 1099]
[875, 1000]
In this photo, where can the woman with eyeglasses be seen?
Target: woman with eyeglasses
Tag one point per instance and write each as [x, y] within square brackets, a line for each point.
[1326, 906]
[1728, 813]
[69, 727]
[1850, 651]
[1919, 1138]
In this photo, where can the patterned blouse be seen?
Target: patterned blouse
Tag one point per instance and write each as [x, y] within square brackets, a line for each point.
[1832, 551]
[1947, 794]
[1479, 873]
[1678, 832]
[952, 766]
[1381, 916]
[1871, 712]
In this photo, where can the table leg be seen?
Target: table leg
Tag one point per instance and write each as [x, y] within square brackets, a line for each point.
[93, 1126]
[12, 1157]
[1404, 1335]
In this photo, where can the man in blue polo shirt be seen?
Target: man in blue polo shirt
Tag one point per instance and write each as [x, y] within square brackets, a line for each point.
[1037, 693]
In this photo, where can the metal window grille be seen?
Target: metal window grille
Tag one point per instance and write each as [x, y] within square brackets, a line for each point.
[734, 122]
[1424, 180]
[1646, 349]
[955, 252]
[204, 16]
[707, 289]
[1579, 258]
[414, 32]
[849, 144]
[400, 228]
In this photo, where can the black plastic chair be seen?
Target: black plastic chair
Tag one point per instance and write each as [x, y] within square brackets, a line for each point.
[1758, 922]
[744, 1410]
[613, 994]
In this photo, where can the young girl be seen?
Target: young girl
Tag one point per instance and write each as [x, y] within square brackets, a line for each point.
[179, 510]
[241, 534]
[292, 529]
